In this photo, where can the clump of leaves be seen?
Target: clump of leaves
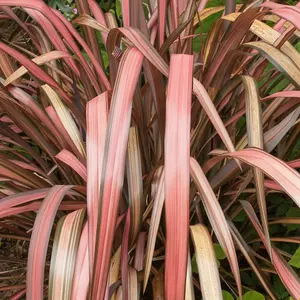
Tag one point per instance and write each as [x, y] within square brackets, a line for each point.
[130, 154]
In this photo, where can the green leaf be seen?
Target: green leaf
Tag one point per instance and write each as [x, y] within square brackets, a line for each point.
[282, 209]
[226, 295]
[253, 295]
[295, 260]
[118, 9]
[276, 199]
[65, 9]
[240, 123]
[240, 217]
[295, 153]
[280, 86]
[105, 5]
[293, 212]
[288, 247]
[52, 3]
[279, 288]
[105, 58]
[194, 264]
[214, 3]
[274, 229]
[219, 251]
[205, 26]
[246, 277]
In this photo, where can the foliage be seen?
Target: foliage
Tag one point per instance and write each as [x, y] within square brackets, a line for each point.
[68, 8]
[150, 151]
[295, 259]
[252, 295]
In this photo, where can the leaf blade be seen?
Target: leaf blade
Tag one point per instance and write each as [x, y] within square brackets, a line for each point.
[113, 163]
[177, 139]
[206, 262]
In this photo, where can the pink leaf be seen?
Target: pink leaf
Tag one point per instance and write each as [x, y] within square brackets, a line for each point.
[177, 177]
[39, 241]
[285, 176]
[72, 161]
[81, 272]
[96, 116]
[114, 164]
